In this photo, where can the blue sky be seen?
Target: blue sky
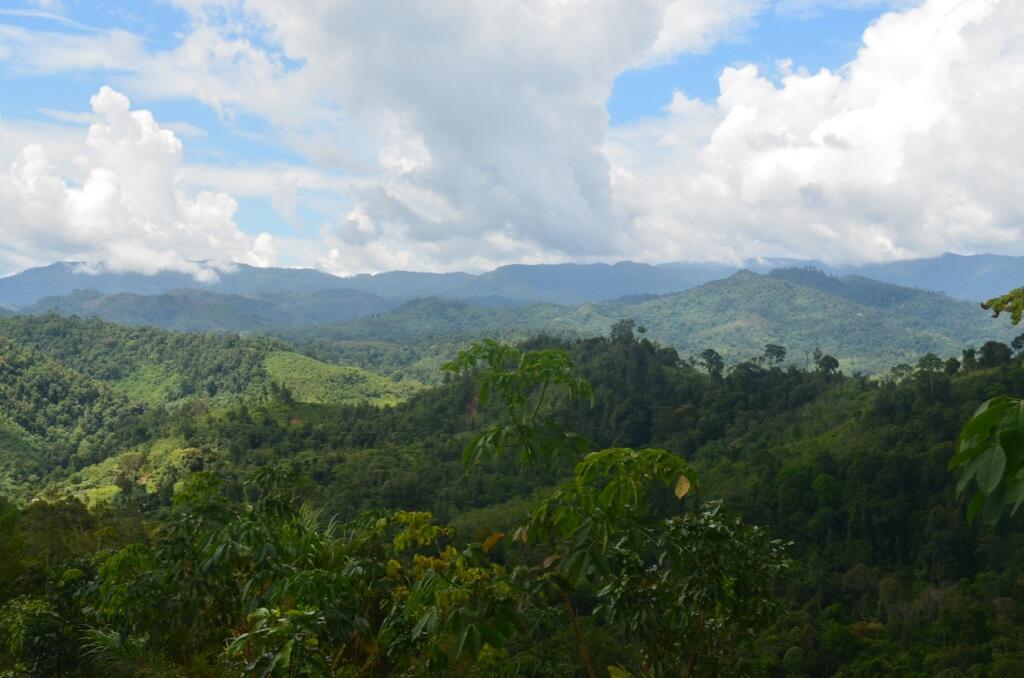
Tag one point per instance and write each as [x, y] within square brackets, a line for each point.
[825, 38]
[459, 134]
[812, 40]
[816, 40]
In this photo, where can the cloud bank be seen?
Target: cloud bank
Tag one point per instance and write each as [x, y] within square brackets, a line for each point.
[470, 133]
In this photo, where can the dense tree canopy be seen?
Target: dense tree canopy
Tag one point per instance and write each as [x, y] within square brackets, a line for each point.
[262, 533]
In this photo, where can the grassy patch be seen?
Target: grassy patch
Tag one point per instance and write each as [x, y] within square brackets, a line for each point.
[151, 383]
[312, 381]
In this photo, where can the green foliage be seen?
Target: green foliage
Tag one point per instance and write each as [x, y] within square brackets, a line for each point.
[521, 383]
[200, 563]
[990, 455]
[1011, 302]
[54, 417]
[311, 381]
[153, 365]
[990, 450]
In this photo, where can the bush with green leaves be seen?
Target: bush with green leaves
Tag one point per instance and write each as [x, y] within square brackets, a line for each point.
[990, 450]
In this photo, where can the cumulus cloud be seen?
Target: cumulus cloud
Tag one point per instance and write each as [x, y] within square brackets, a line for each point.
[464, 123]
[125, 208]
[910, 150]
[470, 133]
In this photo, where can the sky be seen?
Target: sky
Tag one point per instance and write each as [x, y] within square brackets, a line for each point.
[368, 135]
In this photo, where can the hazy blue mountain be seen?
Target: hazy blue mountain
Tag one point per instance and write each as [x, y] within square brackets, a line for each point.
[555, 283]
[193, 310]
[411, 284]
[63, 278]
[559, 283]
[972, 278]
[977, 277]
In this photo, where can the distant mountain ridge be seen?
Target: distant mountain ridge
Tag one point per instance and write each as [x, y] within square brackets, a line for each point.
[196, 310]
[557, 283]
[973, 278]
[868, 325]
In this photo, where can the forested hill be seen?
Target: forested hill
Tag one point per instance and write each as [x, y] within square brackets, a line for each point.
[866, 324]
[193, 310]
[886, 576]
[158, 366]
[52, 416]
[869, 326]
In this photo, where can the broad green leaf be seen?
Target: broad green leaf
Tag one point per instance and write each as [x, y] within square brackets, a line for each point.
[967, 475]
[976, 503]
[985, 418]
[993, 508]
[575, 567]
[990, 469]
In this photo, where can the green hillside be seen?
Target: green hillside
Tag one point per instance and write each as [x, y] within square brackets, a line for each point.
[200, 310]
[290, 513]
[312, 381]
[867, 325]
[54, 417]
[158, 366]
[149, 364]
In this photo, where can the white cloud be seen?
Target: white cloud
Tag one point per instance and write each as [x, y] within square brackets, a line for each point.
[470, 133]
[125, 207]
[464, 123]
[39, 52]
[910, 150]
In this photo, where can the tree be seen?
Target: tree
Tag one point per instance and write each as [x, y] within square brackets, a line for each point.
[930, 362]
[774, 354]
[712, 362]
[622, 332]
[1018, 344]
[994, 354]
[522, 384]
[691, 589]
[969, 359]
[827, 364]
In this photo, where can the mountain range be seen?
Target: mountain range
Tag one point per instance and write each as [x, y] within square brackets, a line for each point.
[973, 278]
[868, 325]
[391, 321]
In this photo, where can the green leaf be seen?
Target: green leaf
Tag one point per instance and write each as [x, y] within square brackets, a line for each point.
[990, 469]
[976, 503]
[470, 641]
[1014, 495]
[575, 567]
[967, 475]
[993, 508]
[427, 623]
